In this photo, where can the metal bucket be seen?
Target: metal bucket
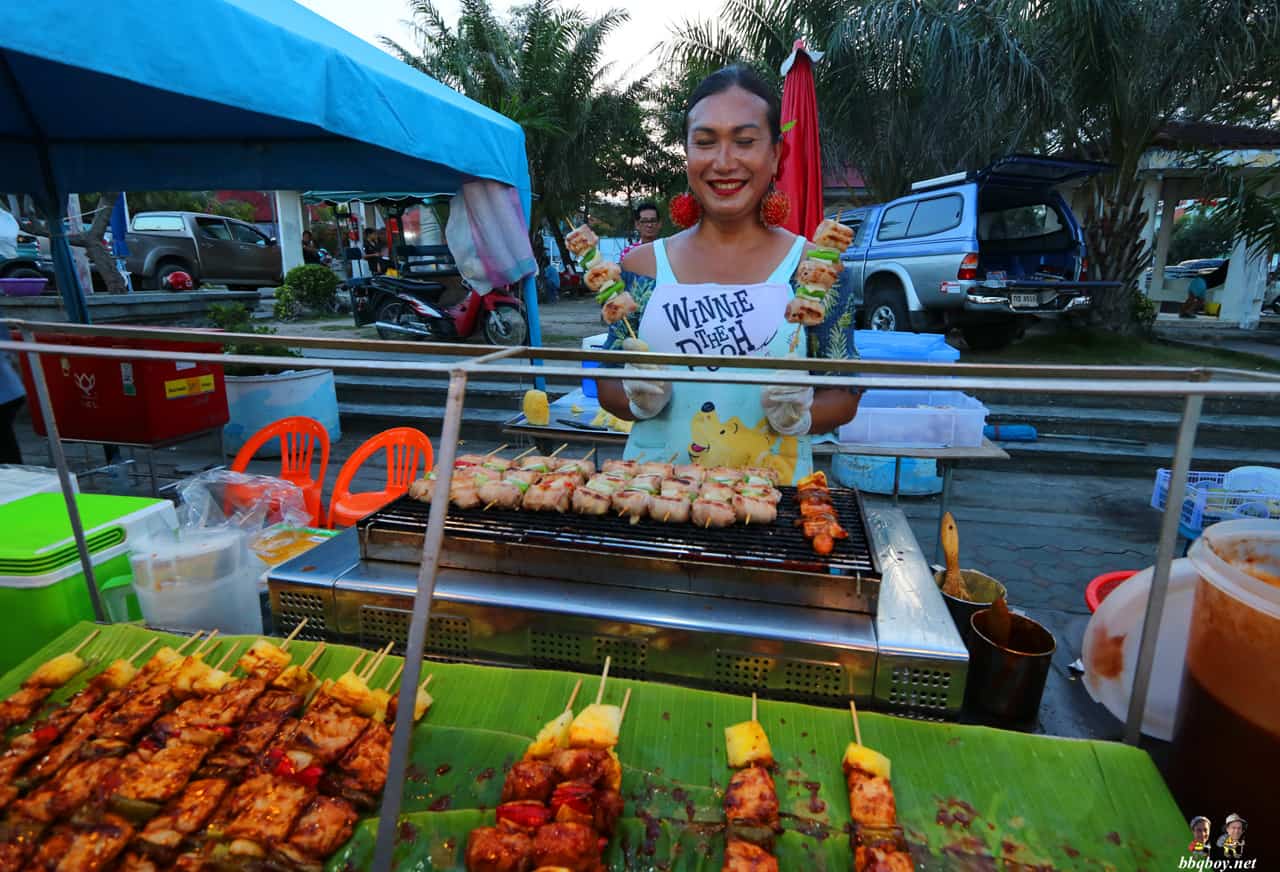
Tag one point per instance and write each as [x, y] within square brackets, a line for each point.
[1008, 682]
[985, 588]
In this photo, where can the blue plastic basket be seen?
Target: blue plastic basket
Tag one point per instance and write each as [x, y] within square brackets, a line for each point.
[1207, 501]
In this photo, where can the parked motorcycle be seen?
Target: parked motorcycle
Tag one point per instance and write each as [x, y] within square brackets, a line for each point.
[403, 308]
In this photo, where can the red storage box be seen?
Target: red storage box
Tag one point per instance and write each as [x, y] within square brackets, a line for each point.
[129, 401]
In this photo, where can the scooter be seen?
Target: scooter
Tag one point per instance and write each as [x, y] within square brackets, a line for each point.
[403, 308]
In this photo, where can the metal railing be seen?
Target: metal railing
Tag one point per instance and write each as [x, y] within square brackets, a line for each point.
[1192, 384]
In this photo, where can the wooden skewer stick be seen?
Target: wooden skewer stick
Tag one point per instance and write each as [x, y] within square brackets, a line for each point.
[626, 698]
[753, 708]
[496, 450]
[284, 646]
[857, 730]
[489, 505]
[604, 676]
[587, 456]
[227, 656]
[528, 450]
[196, 635]
[630, 329]
[85, 641]
[376, 662]
[395, 676]
[558, 450]
[314, 656]
[576, 687]
[356, 664]
[207, 643]
[428, 681]
[143, 649]
[795, 340]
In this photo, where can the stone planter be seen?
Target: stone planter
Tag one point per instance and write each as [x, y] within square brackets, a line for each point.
[255, 401]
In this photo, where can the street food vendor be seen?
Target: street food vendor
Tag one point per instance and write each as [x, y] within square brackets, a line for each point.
[721, 287]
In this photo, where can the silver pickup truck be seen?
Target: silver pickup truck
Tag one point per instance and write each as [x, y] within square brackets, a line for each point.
[981, 251]
[210, 248]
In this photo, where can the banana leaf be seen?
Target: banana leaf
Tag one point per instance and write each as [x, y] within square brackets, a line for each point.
[968, 797]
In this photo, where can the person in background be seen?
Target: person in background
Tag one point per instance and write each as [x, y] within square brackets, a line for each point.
[373, 251]
[11, 396]
[310, 253]
[648, 223]
[551, 279]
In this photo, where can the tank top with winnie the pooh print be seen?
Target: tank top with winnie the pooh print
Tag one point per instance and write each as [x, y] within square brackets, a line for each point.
[719, 425]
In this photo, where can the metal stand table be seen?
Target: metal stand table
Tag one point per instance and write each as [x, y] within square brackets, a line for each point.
[946, 458]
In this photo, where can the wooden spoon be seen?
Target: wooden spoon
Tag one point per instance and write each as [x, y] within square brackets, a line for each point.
[953, 583]
[1000, 623]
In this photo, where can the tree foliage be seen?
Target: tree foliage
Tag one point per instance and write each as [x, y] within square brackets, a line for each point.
[919, 88]
[543, 66]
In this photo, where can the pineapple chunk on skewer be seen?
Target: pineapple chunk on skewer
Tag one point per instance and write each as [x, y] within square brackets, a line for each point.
[422, 701]
[747, 745]
[119, 673]
[350, 690]
[596, 726]
[861, 757]
[553, 736]
[56, 671]
[297, 679]
[263, 660]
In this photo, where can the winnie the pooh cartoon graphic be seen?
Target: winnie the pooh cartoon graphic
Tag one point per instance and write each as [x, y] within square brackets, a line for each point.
[714, 442]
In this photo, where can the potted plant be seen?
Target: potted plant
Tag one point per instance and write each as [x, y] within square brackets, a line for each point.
[257, 396]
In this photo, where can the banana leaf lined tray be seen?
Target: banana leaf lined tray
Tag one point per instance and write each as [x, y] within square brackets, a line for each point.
[968, 797]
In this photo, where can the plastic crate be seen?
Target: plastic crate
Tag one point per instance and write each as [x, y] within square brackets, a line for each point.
[1208, 501]
[917, 419]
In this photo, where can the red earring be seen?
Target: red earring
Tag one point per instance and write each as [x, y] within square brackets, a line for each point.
[685, 210]
[774, 208]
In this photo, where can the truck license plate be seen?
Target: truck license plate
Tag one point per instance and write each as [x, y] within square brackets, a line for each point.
[1021, 301]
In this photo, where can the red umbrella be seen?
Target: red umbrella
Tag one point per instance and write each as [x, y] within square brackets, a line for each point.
[800, 170]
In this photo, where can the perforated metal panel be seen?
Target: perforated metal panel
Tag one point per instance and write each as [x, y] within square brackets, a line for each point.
[447, 636]
[555, 649]
[810, 678]
[628, 656]
[295, 606]
[737, 670]
[921, 690]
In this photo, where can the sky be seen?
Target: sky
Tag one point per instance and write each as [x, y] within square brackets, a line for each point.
[632, 48]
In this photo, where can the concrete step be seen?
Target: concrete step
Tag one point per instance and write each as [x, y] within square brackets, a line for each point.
[1257, 406]
[477, 423]
[1144, 425]
[1073, 457]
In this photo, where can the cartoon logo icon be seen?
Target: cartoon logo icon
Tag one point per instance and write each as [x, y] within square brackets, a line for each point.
[720, 442]
[86, 381]
[1200, 829]
[1232, 839]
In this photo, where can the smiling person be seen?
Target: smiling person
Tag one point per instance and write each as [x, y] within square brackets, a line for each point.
[720, 287]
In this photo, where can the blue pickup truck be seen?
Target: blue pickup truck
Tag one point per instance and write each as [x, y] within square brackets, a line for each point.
[983, 251]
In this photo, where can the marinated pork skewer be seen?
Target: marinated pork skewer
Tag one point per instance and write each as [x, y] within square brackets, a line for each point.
[816, 275]
[603, 277]
[714, 506]
[878, 841]
[751, 799]
[42, 682]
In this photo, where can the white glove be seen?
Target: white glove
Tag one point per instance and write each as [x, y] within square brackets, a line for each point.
[788, 408]
[646, 397]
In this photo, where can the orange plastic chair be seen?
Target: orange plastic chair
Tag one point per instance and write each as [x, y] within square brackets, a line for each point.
[298, 437]
[406, 448]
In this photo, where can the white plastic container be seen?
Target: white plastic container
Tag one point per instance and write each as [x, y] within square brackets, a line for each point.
[1114, 634]
[917, 419]
[17, 482]
[204, 580]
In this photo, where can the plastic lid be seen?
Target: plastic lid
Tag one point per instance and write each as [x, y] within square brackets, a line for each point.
[1226, 550]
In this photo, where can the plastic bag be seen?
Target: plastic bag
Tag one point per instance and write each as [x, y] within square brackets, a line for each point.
[200, 578]
[488, 236]
[221, 497]
[281, 542]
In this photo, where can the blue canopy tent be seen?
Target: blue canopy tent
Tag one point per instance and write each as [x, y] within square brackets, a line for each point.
[256, 94]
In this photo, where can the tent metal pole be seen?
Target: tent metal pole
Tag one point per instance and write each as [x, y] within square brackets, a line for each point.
[402, 737]
[535, 324]
[64, 475]
[1164, 559]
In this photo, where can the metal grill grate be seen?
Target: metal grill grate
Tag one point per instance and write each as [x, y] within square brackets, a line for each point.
[740, 671]
[447, 636]
[914, 687]
[780, 545]
[296, 606]
[628, 656]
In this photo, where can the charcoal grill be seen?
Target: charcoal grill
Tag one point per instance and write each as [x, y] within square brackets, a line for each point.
[738, 610]
[772, 563]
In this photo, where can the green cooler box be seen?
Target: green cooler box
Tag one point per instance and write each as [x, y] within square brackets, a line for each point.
[42, 589]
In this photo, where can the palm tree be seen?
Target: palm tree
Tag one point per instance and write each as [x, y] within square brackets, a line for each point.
[543, 67]
[917, 88]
